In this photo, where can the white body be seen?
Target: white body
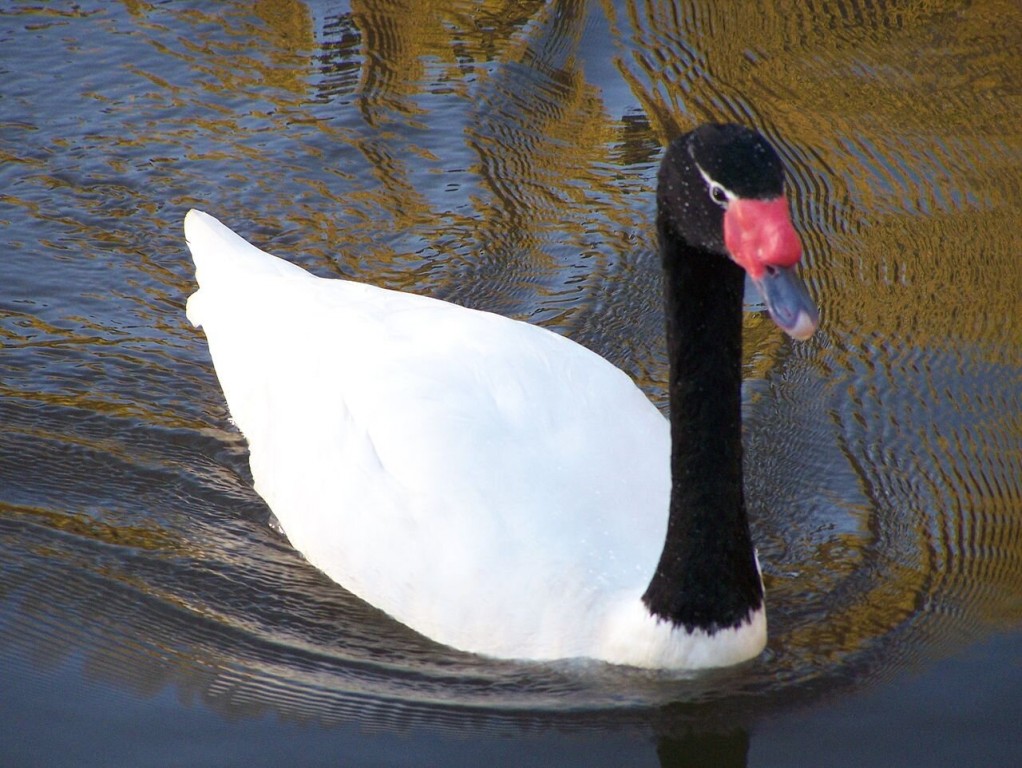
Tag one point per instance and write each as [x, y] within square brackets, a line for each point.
[496, 487]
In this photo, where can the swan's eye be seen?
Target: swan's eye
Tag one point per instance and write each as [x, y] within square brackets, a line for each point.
[718, 192]
[719, 195]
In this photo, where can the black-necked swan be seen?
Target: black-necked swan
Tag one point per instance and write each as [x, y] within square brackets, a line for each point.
[498, 487]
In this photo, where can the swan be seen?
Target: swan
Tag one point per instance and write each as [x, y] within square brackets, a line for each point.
[498, 487]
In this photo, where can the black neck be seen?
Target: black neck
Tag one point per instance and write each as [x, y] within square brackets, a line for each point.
[707, 576]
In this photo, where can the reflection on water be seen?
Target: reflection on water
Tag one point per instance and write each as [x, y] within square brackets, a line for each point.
[502, 155]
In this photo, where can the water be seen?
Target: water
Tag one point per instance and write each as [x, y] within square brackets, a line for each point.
[502, 156]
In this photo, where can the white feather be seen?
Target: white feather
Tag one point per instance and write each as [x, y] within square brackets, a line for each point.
[491, 484]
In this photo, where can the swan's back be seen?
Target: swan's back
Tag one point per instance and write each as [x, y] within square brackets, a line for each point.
[491, 484]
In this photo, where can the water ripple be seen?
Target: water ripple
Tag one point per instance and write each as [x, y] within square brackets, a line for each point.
[484, 154]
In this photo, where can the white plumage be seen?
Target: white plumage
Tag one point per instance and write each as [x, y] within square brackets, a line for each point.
[497, 487]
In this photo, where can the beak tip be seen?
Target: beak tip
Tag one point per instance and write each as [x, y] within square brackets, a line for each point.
[803, 326]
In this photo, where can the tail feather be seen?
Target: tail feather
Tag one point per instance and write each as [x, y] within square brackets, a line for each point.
[223, 258]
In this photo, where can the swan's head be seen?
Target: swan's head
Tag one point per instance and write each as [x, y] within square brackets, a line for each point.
[721, 189]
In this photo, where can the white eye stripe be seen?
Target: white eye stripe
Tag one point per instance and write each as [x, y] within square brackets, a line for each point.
[718, 192]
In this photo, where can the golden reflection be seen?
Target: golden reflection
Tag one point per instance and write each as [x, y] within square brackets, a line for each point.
[290, 22]
[890, 123]
[142, 537]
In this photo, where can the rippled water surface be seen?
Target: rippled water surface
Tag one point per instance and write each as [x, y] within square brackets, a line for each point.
[502, 155]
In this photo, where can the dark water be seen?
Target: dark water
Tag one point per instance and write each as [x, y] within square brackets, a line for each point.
[502, 155]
